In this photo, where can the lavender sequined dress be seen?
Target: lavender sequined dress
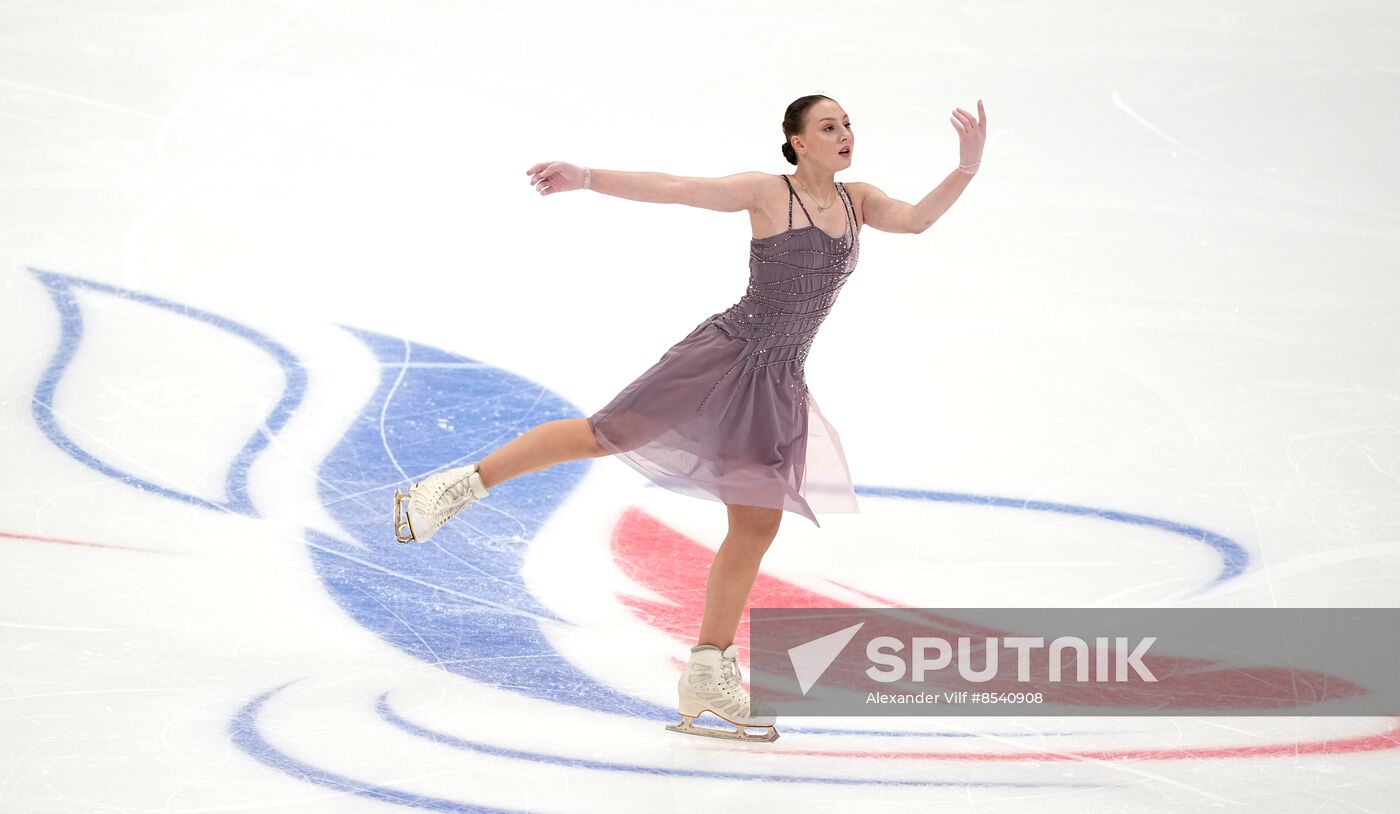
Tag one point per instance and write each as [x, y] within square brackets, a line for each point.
[725, 414]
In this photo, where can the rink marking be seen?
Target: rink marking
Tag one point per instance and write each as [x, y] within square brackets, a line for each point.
[1389, 739]
[398, 721]
[1234, 558]
[60, 288]
[40, 539]
[245, 734]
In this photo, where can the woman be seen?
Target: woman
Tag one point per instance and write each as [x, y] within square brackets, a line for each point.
[725, 414]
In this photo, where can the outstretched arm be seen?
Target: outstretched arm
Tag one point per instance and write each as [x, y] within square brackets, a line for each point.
[892, 215]
[731, 193]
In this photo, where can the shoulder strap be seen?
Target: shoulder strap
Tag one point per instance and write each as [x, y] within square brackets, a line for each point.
[792, 193]
[850, 207]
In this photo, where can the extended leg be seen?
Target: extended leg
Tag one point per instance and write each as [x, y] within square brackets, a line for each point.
[438, 498]
[540, 447]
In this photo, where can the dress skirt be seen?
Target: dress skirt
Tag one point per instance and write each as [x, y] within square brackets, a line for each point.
[711, 421]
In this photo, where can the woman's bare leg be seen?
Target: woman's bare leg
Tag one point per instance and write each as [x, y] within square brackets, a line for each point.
[540, 447]
[734, 569]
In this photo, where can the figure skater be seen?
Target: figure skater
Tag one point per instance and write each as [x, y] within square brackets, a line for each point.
[725, 413]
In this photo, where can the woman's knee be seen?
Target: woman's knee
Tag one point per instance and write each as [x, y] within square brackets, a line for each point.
[758, 523]
[590, 444]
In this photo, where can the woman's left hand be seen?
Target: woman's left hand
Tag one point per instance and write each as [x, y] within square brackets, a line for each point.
[972, 132]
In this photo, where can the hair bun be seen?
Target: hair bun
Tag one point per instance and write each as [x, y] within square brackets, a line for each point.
[794, 119]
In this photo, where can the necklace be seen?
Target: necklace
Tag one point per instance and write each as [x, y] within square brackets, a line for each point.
[820, 207]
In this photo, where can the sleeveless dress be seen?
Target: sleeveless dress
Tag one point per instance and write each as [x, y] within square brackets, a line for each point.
[725, 413]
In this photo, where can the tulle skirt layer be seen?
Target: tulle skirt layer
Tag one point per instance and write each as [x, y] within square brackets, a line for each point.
[706, 422]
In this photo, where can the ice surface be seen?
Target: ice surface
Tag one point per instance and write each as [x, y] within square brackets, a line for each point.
[264, 262]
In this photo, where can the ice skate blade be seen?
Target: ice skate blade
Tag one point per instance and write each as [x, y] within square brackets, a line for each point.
[740, 733]
[403, 527]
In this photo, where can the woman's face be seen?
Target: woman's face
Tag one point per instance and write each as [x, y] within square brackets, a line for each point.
[828, 131]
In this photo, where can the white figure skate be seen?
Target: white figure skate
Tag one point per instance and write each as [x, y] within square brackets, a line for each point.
[712, 682]
[434, 501]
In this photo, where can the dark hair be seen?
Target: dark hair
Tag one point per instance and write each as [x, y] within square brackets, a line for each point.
[792, 122]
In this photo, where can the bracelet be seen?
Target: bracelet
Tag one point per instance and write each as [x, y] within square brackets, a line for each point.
[586, 176]
[963, 167]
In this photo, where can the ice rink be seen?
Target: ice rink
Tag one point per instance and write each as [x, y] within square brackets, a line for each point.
[265, 262]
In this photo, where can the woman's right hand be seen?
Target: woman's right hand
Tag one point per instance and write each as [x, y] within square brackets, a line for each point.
[555, 176]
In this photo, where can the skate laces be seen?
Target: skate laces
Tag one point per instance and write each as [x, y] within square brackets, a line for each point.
[454, 497]
[733, 678]
[731, 669]
[457, 492]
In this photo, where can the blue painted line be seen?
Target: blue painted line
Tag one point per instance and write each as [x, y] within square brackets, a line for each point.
[388, 714]
[243, 731]
[60, 288]
[1234, 558]
[245, 734]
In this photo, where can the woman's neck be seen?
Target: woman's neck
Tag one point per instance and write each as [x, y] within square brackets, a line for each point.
[816, 180]
[817, 184]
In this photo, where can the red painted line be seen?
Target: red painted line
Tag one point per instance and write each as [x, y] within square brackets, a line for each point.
[1390, 739]
[676, 567]
[37, 538]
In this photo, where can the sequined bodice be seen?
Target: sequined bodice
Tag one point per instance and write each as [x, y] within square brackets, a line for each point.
[794, 278]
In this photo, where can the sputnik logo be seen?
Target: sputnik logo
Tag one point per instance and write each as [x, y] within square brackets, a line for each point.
[810, 660]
